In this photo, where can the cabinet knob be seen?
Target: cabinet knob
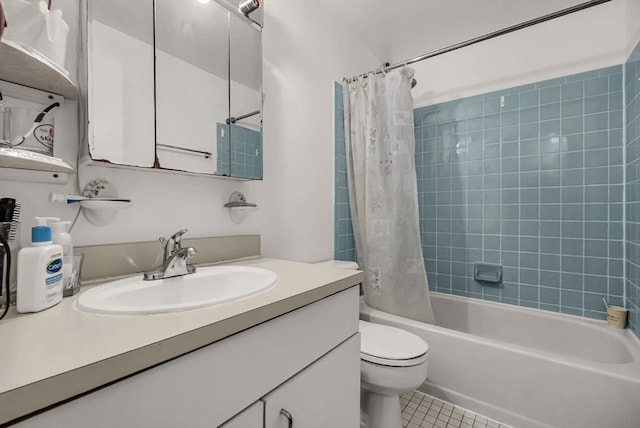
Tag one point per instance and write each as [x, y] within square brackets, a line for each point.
[287, 415]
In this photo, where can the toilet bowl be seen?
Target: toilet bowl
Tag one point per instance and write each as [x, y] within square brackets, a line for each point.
[392, 362]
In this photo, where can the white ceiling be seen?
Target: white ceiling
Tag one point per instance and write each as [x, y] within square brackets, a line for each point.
[397, 30]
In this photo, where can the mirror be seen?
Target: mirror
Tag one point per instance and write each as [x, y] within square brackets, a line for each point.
[206, 113]
[245, 120]
[120, 89]
[192, 79]
[257, 16]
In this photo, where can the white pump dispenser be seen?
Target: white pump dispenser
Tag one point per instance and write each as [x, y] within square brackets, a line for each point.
[40, 270]
[61, 237]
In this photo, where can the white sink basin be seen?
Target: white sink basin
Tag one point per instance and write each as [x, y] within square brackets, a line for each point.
[208, 286]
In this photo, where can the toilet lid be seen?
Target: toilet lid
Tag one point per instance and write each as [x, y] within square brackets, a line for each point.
[390, 343]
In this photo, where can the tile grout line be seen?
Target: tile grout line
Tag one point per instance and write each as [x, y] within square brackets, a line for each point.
[421, 410]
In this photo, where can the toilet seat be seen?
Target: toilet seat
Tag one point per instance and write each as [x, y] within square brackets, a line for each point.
[390, 346]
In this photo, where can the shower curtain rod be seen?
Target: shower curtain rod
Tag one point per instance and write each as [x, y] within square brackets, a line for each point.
[535, 21]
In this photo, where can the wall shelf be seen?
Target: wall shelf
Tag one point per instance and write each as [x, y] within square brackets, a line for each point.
[31, 176]
[23, 159]
[29, 68]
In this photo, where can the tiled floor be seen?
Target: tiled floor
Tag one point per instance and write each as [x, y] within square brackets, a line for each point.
[424, 411]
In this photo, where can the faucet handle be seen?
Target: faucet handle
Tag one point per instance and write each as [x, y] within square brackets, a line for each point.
[167, 247]
[164, 242]
[176, 238]
[186, 252]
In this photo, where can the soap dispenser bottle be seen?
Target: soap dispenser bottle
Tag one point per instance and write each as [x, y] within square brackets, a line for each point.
[61, 237]
[40, 268]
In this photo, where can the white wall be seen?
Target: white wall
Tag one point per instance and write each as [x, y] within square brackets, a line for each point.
[632, 13]
[582, 41]
[304, 52]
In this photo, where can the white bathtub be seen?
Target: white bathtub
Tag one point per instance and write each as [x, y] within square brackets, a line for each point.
[528, 367]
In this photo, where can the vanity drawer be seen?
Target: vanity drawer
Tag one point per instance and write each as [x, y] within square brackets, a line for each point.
[208, 386]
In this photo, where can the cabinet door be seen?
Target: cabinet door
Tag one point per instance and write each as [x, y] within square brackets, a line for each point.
[192, 85]
[120, 81]
[251, 417]
[325, 394]
[245, 99]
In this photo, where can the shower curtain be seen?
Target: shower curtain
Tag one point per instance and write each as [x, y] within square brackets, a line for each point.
[380, 142]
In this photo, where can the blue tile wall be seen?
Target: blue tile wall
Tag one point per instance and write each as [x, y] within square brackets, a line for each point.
[344, 247]
[239, 151]
[530, 177]
[632, 97]
[223, 166]
[246, 152]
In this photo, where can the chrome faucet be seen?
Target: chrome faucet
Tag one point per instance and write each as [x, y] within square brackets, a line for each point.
[172, 244]
[175, 259]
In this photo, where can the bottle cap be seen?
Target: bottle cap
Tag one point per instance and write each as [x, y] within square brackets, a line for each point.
[41, 232]
[60, 226]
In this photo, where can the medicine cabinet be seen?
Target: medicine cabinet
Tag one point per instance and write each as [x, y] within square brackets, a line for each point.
[175, 85]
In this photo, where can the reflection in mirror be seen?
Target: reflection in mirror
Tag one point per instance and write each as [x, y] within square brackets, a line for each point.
[245, 133]
[206, 116]
[256, 16]
[192, 94]
[120, 96]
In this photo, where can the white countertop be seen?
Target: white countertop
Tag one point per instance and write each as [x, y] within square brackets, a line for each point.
[61, 352]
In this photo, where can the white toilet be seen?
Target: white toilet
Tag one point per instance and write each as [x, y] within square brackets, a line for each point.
[392, 362]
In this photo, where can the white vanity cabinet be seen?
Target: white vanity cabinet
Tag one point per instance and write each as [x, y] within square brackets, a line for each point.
[305, 361]
[251, 417]
[325, 394]
[322, 395]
